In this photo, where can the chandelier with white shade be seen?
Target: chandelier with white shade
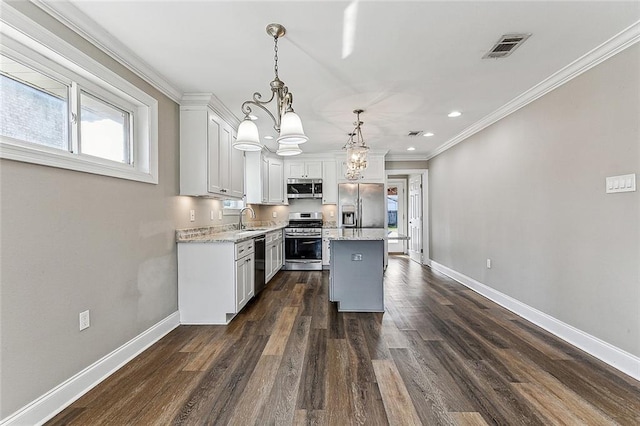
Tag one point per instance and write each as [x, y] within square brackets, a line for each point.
[356, 149]
[286, 121]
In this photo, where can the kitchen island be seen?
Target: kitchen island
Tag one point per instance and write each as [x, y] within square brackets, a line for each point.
[356, 274]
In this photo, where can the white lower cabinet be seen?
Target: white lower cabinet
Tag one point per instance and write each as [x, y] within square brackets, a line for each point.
[215, 280]
[274, 258]
[244, 281]
[326, 250]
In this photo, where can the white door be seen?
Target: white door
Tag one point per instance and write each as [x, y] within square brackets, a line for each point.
[415, 218]
[397, 218]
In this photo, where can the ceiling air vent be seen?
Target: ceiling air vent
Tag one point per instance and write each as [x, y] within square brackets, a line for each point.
[414, 132]
[506, 45]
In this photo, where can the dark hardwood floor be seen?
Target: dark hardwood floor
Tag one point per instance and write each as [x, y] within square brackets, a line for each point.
[439, 355]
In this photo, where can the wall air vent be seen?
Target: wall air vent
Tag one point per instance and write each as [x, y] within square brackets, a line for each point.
[506, 45]
[414, 132]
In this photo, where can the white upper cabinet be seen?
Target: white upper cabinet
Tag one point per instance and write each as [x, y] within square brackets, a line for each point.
[304, 169]
[329, 182]
[264, 180]
[276, 181]
[220, 139]
[237, 172]
[374, 173]
[209, 166]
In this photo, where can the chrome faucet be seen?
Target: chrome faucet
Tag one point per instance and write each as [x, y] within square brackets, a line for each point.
[253, 216]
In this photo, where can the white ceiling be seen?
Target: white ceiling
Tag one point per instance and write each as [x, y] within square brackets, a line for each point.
[412, 62]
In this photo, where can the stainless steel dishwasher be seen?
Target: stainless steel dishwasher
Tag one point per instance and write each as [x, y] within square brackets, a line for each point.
[259, 264]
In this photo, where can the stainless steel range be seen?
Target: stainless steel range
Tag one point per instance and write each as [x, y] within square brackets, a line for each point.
[303, 242]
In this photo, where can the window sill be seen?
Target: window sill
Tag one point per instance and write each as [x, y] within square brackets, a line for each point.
[65, 160]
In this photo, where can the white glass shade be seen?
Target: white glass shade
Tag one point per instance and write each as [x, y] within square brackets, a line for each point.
[248, 138]
[291, 132]
[288, 150]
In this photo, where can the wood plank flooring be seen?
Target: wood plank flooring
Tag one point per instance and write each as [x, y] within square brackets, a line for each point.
[439, 355]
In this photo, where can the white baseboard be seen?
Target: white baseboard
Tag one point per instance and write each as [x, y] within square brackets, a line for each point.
[615, 357]
[51, 403]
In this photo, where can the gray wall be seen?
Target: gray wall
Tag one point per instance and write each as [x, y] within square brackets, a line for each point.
[73, 241]
[529, 193]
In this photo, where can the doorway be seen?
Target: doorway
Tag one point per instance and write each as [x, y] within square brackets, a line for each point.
[415, 217]
[396, 212]
[416, 211]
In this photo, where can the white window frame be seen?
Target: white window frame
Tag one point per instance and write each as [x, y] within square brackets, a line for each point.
[34, 45]
[234, 211]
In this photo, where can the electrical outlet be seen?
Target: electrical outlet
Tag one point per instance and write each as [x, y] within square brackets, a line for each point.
[85, 321]
[331, 213]
[192, 215]
[274, 214]
[488, 263]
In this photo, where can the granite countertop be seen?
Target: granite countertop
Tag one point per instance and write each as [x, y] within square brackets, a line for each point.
[226, 233]
[360, 234]
[230, 233]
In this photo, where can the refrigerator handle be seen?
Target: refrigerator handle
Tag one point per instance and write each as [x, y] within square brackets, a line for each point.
[359, 212]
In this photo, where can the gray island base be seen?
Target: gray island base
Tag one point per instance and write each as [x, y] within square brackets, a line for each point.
[356, 275]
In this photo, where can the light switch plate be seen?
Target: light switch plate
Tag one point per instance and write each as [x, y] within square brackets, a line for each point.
[622, 183]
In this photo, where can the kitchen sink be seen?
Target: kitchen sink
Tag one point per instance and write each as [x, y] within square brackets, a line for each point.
[250, 231]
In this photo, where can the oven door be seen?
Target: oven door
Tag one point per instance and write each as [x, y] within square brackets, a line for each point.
[303, 252]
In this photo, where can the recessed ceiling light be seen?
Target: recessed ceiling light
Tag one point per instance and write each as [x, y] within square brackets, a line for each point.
[411, 148]
[253, 117]
[428, 134]
[453, 114]
[268, 137]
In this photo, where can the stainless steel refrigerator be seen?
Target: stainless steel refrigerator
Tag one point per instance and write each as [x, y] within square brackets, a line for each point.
[362, 205]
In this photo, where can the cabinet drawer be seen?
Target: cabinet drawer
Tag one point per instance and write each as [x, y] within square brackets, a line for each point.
[244, 248]
[274, 236]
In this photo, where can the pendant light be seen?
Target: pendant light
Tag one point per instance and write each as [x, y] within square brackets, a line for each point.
[286, 122]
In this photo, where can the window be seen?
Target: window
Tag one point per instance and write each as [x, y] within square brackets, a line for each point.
[232, 207]
[33, 106]
[60, 108]
[104, 129]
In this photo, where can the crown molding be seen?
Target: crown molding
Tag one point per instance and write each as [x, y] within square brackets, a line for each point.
[90, 30]
[376, 151]
[616, 44]
[190, 100]
[406, 157]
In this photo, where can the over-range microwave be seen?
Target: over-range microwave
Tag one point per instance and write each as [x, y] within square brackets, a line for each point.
[304, 188]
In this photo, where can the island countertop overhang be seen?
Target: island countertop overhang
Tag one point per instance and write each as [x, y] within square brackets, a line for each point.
[360, 234]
